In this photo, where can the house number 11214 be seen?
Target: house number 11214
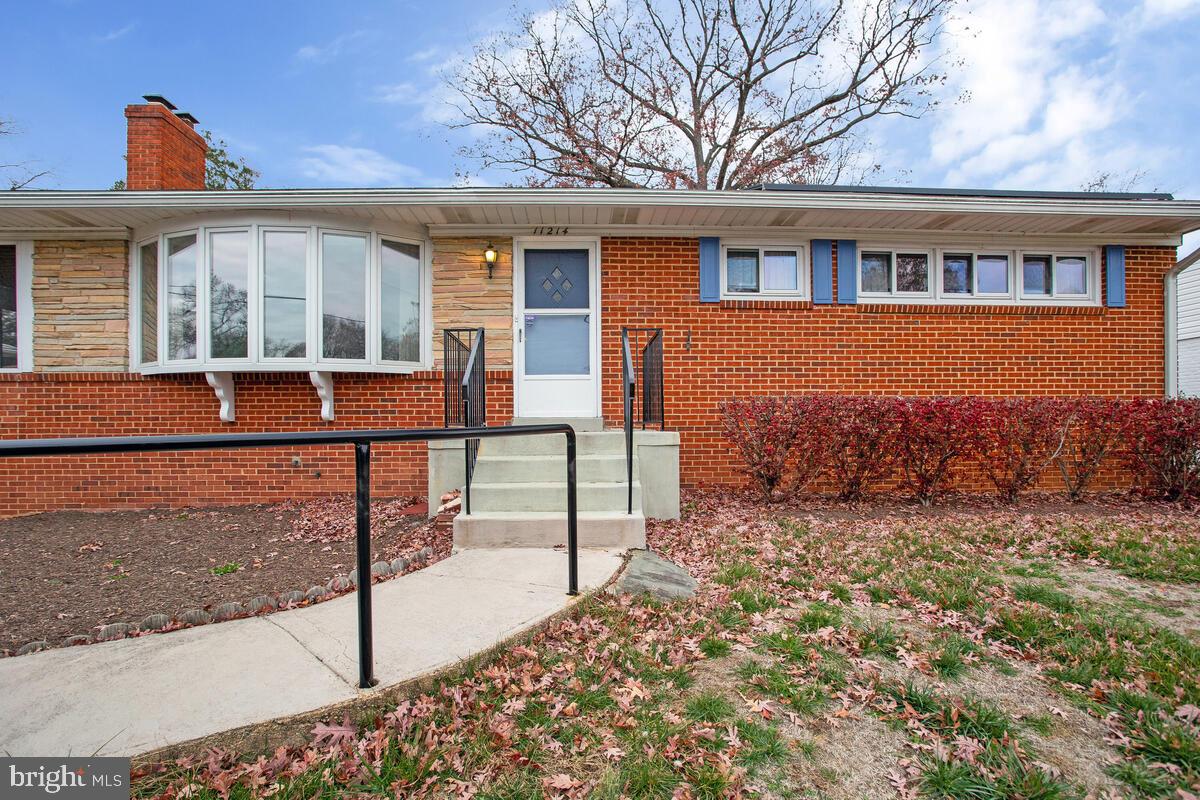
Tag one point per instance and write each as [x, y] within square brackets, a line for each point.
[546, 230]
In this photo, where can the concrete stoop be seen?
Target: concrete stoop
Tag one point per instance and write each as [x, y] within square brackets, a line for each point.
[519, 493]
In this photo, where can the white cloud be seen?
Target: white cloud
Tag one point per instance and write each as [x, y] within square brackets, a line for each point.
[115, 34]
[324, 53]
[341, 165]
[1014, 62]
[1158, 9]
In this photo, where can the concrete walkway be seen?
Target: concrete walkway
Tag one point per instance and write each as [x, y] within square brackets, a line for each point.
[136, 695]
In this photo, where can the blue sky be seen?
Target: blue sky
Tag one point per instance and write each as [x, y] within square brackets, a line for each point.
[1044, 94]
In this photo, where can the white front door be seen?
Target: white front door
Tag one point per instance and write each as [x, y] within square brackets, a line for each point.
[556, 339]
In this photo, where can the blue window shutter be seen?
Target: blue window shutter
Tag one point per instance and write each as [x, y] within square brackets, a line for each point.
[847, 267]
[822, 267]
[710, 269]
[1114, 275]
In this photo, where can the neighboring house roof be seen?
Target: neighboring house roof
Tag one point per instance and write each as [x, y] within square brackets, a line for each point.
[1188, 260]
[847, 212]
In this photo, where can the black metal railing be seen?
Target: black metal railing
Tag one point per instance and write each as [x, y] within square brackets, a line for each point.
[641, 361]
[465, 383]
[361, 440]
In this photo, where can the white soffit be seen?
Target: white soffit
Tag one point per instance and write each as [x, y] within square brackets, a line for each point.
[104, 214]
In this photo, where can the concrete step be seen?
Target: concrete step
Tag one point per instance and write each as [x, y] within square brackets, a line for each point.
[578, 423]
[552, 496]
[587, 443]
[547, 529]
[540, 468]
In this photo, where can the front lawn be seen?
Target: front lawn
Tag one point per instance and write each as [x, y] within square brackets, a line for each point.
[970, 653]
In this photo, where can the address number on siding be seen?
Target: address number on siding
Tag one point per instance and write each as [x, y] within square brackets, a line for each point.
[545, 230]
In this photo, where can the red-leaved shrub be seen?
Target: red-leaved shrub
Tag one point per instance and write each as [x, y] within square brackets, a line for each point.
[862, 440]
[1093, 428]
[1018, 438]
[1162, 440]
[933, 436]
[763, 429]
[812, 442]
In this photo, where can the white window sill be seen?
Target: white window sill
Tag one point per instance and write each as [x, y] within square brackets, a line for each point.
[775, 298]
[296, 366]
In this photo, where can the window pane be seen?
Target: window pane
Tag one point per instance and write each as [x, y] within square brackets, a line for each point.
[1070, 275]
[912, 272]
[228, 256]
[557, 279]
[8, 306]
[285, 254]
[181, 297]
[993, 274]
[779, 271]
[343, 296]
[557, 344]
[741, 267]
[877, 272]
[957, 275]
[401, 301]
[1036, 275]
[148, 260]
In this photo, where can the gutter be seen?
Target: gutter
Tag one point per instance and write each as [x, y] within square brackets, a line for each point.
[860, 201]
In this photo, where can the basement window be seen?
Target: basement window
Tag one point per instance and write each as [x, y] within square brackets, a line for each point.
[262, 297]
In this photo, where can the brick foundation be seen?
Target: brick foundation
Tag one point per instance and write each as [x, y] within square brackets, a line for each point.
[106, 404]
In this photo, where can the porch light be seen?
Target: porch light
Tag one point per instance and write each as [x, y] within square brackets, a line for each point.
[489, 257]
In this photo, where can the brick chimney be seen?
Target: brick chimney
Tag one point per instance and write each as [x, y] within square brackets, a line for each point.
[163, 151]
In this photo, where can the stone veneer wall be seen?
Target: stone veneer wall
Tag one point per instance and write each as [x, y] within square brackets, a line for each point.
[80, 306]
[464, 297]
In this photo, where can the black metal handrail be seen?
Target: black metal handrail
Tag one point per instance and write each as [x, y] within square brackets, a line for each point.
[647, 344]
[465, 380]
[361, 439]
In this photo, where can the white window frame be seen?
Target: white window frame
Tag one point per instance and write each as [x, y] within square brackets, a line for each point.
[164, 299]
[1091, 275]
[24, 280]
[893, 295]
[975, 297]
[802, 271]
[204, 294]
[255, 362]
[376, 289]
[1016, 291]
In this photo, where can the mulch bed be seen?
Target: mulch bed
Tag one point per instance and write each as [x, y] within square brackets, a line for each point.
[67, 573]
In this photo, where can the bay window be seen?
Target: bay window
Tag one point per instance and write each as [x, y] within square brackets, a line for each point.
[16, 306]
[766, 271]
[279, 297]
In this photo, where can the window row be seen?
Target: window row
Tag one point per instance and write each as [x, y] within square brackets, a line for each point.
[285, 295]
[961, 274]
[903, 274]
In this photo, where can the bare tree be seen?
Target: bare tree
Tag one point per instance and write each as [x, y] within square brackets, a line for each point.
[17, 175]
[701, 94]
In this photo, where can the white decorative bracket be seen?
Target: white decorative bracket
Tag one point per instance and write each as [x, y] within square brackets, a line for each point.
[323, 381]
[222, 384]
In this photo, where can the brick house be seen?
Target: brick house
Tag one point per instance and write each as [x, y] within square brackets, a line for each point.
[168, 309]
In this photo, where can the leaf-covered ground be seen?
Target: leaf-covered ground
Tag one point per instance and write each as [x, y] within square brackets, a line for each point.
[974, 653]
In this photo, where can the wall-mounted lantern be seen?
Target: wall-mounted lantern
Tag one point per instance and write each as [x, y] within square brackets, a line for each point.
[489, 258]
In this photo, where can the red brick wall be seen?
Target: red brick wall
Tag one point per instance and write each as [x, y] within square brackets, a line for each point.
[162, 151]
[105, 404]
[746, 347]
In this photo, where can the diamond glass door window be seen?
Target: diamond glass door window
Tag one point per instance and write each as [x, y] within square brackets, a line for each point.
[556, 279]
